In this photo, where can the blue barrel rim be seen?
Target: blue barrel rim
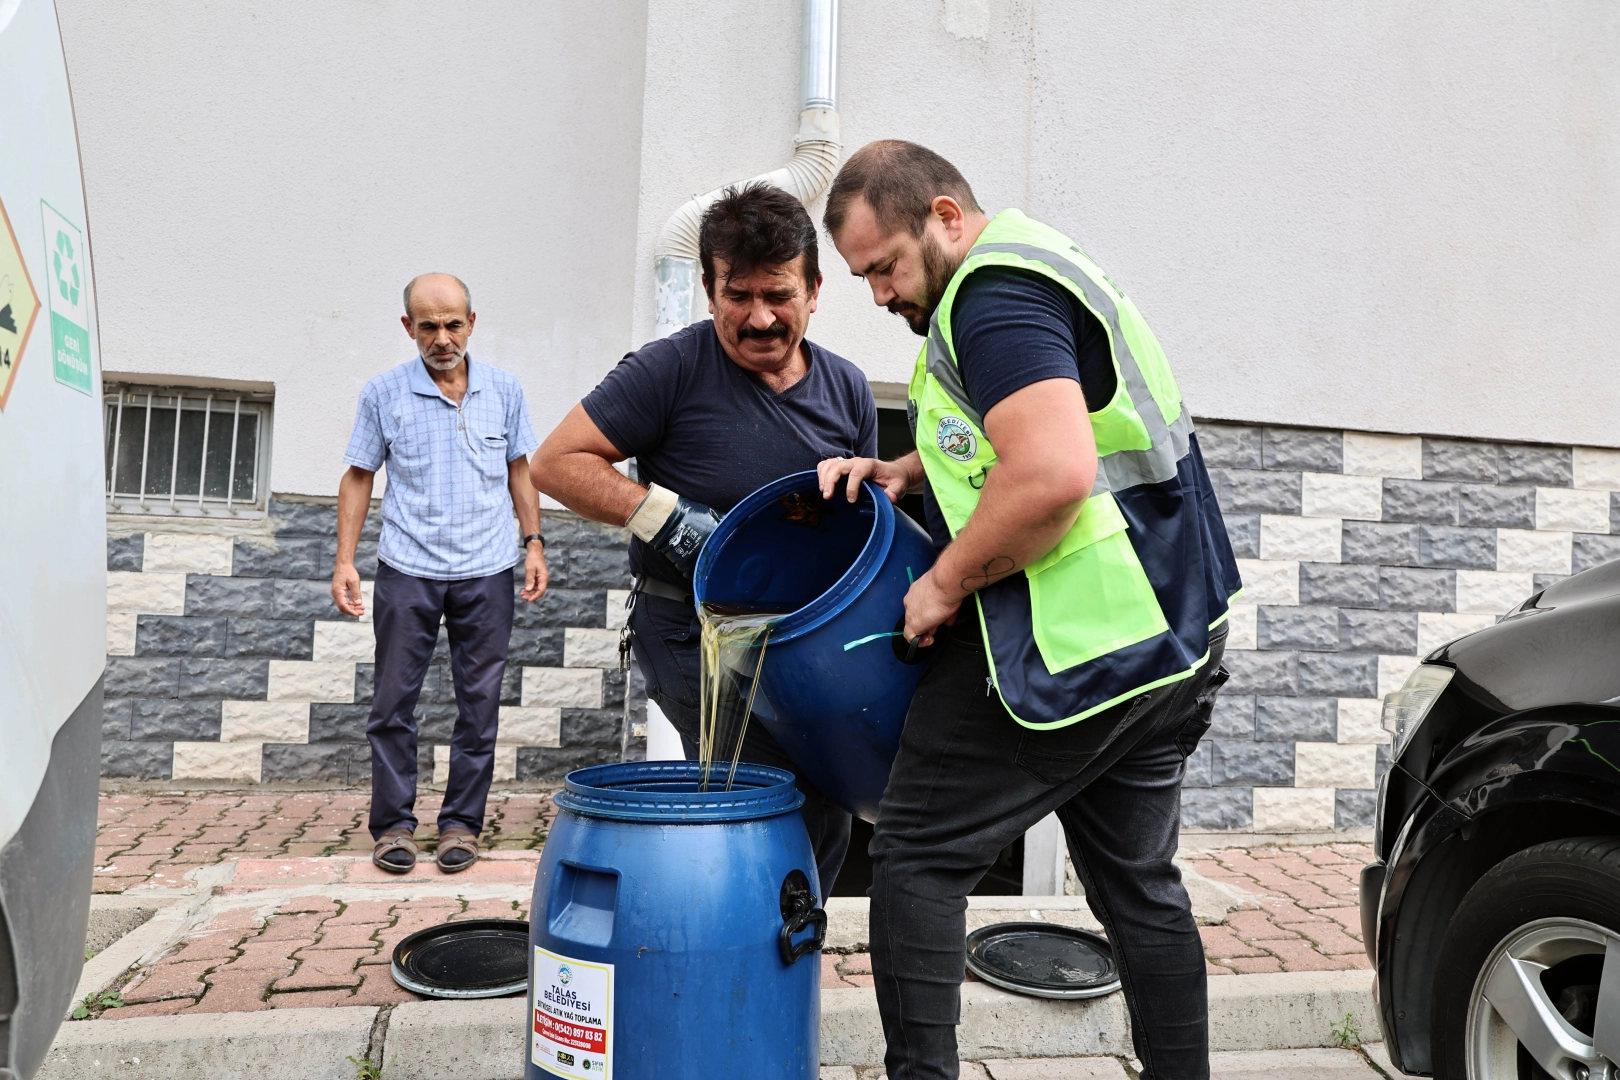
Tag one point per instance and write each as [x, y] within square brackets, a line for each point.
[828, 605]
[605, 791]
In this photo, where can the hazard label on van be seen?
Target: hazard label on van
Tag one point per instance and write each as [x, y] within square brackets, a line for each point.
[573, 1017]
[18, 305]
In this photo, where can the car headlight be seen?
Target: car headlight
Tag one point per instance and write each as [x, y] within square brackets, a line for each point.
[1405, 709]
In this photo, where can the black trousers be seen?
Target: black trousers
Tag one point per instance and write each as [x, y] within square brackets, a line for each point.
[666, 645]
[967, 782]
[477, 613]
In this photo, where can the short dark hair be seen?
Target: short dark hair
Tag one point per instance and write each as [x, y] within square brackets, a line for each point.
[753, 226]
[900, 181]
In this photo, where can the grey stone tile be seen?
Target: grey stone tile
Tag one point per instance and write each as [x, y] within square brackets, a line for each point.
[232, 680]
[1409, 589]
[1539, 466]
[1392, 632]
[560, 608]
[284, 557]
[1421, 502]
[435, 723]
[126, 552]
[1311, 628]
[1543, 581]
[1310, 449]
[512, 685]
[1459, 459]
[564, 530]
[1338, 674]
[365, 679]
[1614, 512]
[132, 677]
[1245, 764]
[359, 764]
[1233, 717]
[613, 690]
[177, 635]
[248, 598]
[589, 568]
[279, 639]
[305, 599]
[1217, 808]
[1338, 584]
[316, 519]
[537, 648]
[592, 727]
[338, 723]
[1450, 546]
[1375, 543]
[1296, 719]
[167, 720]
[1230, 446]
[1255, 672]
[115, 719]
[1244, 532]
[1592, 549]
[137, 760]
[298, 761]
[1496, 507]
[1249, 491]
[551, 763]
[365, 559]
[1198, 764]
[1353, 807]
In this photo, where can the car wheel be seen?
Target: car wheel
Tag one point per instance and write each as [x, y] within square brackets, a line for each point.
[1527, 986]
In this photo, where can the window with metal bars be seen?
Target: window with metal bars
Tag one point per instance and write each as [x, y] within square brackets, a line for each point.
[186, 450]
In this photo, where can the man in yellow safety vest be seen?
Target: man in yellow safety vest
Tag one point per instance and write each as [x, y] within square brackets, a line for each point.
[1064, 487]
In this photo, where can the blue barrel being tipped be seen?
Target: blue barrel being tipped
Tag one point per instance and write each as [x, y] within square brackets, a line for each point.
[835, 684]
[674, 932]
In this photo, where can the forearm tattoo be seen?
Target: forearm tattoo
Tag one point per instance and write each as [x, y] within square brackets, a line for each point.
[989, 572]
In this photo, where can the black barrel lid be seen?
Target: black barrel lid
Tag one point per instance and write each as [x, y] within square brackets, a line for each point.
[477, 958]
[1043, 960]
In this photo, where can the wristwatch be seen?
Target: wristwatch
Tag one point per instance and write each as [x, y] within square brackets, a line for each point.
[524, 543]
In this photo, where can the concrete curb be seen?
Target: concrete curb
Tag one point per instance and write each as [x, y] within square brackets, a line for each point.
[484, 1040]
[306, 1044]
[144, 943]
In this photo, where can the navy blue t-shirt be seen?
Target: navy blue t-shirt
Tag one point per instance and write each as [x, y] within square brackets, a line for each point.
[1015, 327]
[707, 429]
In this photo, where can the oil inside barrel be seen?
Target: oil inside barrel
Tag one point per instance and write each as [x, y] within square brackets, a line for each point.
[1047, 960]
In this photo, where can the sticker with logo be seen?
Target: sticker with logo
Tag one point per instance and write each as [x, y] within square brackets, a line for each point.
[955, 437]
[572, 1034]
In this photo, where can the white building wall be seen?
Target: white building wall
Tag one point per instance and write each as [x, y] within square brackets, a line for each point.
[1364, 216]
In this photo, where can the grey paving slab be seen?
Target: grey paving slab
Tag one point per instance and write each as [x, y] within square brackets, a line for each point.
[1081, 1068]
[1289, 1064]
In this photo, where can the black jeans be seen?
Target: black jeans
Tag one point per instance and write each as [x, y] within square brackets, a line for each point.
[477, 614]
[666, 645]
[967, 782]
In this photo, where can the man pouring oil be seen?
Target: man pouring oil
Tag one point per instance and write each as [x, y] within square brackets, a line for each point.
[1079, 601]
[710, 414]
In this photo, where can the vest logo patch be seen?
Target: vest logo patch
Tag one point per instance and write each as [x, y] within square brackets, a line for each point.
[956, 438]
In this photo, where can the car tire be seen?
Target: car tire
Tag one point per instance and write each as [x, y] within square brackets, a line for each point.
[1569, 887]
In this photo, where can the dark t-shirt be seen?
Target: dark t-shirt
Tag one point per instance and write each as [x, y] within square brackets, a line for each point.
[703, 427]
[1016, 327]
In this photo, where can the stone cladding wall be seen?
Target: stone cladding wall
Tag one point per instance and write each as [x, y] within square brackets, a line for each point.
[1360, 554]
[227, 659]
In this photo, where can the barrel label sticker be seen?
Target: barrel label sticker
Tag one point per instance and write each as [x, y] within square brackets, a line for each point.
[67, 289]
[573, 1017]
[956, 438]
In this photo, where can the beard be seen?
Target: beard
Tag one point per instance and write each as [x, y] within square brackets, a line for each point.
[938, 269]
[444, 363]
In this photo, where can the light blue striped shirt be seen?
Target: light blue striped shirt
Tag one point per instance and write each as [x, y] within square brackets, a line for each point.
[447, 513]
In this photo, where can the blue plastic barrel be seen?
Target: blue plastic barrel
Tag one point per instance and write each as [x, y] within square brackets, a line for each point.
[675, 933]
[834, 683]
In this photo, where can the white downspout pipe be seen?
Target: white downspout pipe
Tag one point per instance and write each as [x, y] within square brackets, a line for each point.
[806, 175]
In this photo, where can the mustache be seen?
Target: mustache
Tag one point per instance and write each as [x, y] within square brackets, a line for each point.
[775, 330]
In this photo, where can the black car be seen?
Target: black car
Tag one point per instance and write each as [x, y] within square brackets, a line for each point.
[1493, 911]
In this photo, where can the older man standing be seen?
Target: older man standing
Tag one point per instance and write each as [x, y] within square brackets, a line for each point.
[710, 414]
[455, 436]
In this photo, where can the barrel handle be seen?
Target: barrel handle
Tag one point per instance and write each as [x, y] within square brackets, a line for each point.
[798, 924]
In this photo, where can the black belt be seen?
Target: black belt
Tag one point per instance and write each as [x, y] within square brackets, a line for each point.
[654, 587]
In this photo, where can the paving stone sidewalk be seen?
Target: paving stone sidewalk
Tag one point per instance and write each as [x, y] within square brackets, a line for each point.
[305, 920]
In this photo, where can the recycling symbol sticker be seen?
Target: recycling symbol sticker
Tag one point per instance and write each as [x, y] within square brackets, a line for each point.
[70, 314]
[19, 303]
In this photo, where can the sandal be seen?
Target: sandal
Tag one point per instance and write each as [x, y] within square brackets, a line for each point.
[457, 850]
[395, 852]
